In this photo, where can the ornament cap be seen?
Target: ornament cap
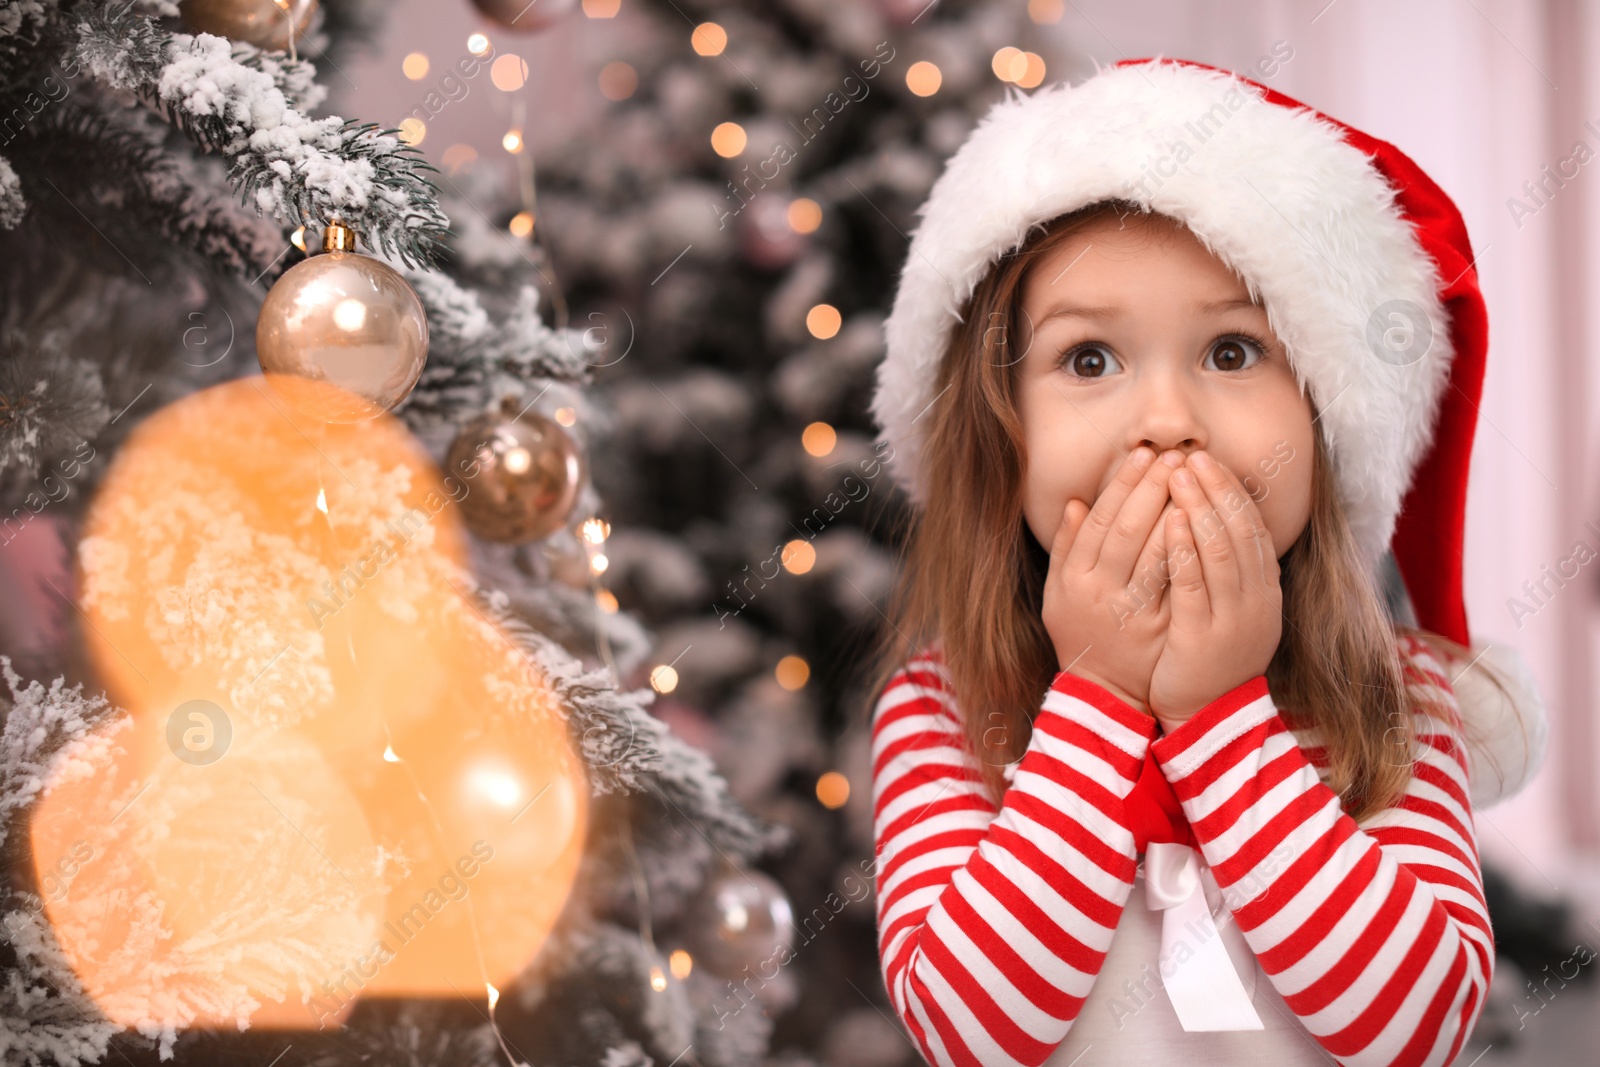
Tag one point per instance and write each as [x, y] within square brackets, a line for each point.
[338, 237]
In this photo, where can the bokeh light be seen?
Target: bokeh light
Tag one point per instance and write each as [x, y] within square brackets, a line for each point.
[923, 78]
[708, 39]
[618, 80]
[804, 214]
[509, 72]
[798, 556]
[792, 672]
[728, 139]
[833, 789]
[823, 321]
[818, 438]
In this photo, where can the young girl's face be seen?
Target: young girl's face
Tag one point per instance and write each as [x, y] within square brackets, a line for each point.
[1136, 335]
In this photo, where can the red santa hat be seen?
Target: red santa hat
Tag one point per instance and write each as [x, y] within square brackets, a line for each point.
[1361, 260]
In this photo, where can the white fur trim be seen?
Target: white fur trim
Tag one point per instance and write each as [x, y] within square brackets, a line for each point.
[1506, 740]
[1303, 216]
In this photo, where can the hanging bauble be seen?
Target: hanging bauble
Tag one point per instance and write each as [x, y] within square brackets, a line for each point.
[523, 475]
[263, 23]
[742, 919]
[525, 16]
[766, 237]
[341, 336]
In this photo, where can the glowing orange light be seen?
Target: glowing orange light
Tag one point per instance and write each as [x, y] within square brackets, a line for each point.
[792, 672]
[728, 139]
[819, 438]
[924, 78]
[833, 789]
[274, 749]
[798, 556]
[823, 321]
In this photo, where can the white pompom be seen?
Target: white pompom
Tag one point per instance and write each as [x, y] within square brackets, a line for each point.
[1506, 738]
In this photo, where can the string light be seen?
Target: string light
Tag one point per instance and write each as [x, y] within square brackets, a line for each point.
[298, 238]
[804, 215]
[598, 563]
[509, 73]
[458, 157]
[708, 39]
[521, 224]
[1009, 63]
[681, 964]
[415, 66]
[1033, 71]
[792, 672]
[664, 679]
[923, 78]
[595, 531]
[477, 44]
[799, 557]
[607, 601]
[413, 130]
[601, 9]
[819, 439]
[566, 416]
[1045, 12]
[728, 139]
[512, 141]
[823, 321]
[618, 80]
[833, 790]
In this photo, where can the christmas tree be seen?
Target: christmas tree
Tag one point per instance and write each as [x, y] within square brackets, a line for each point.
[630, 496]
[148, 172]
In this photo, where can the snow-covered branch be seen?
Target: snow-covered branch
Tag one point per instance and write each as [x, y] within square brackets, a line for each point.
[474, 360]
[247, 105]
[625, 749]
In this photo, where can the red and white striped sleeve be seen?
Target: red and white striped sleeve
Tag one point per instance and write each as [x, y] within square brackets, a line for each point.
[1377, 935]
[993, 923]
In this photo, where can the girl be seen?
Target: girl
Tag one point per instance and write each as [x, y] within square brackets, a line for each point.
[1173, 363]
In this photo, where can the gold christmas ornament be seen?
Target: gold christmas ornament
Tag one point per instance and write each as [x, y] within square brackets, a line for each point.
[524, 474]
[525, 16]
[341, 336]
[263, 23]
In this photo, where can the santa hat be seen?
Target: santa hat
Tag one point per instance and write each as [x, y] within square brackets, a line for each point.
[1363, 265]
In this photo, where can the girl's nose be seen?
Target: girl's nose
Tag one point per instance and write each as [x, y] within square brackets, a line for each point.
[1167, 416]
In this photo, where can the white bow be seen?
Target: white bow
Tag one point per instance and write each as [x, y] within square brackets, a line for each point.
[1200, 979]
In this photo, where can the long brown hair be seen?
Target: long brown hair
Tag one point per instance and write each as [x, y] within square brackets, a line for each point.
[972, 575]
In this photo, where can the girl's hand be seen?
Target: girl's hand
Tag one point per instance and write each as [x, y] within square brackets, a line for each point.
[1226, 602]
[1103, 596]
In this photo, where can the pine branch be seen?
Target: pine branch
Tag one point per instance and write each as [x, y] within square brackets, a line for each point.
[302, 170]
[628, 750]
[137, 189]
[49, 403]
[473, 361]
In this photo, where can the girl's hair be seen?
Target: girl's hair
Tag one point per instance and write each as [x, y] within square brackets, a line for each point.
[973, 575]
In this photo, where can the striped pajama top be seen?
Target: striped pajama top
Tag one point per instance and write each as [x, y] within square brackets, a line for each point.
[994, 923]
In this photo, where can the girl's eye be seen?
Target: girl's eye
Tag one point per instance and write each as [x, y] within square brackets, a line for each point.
[1089, 360]
[1236, 352]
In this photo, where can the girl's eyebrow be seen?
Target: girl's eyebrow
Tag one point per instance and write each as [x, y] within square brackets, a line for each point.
[1227, 305]
[1111, 311]
[1096, 311]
